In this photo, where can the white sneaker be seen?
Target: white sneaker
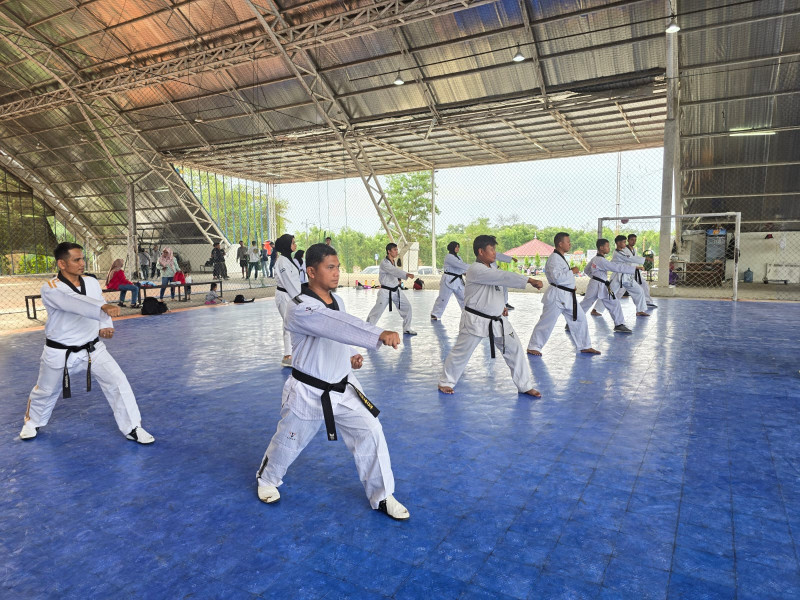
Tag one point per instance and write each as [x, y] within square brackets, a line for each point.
[140, 435]
[394, 509]
[268, 493]
[410, 332]
[28, 431]
[286, 362]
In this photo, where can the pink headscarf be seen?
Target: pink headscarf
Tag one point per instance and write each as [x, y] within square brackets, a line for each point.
[115, 266]
[165, 262]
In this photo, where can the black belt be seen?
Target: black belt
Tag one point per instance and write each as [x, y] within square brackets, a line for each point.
[327, 388]
[89, 347]
[574, 298]
[607, 284]
[637, 276]
[455, 276]
[392, 289]
[491, 327]
[280, 289]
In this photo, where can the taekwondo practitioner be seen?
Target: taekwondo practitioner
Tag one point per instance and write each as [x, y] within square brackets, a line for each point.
[485, 315]
[630, 282]
[560, 298]
[641, 280]
[322, 387]
[77, 317]
[288, 277]
[599, 288]
[452, 282]
[390, 293]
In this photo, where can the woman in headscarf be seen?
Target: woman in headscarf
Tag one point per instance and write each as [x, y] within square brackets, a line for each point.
[115, 280]
[287, 275]
[168, 267]
[452, 282]
[299, 261]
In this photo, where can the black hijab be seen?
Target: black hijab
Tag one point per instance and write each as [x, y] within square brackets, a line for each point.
[283, 245]
[451, 248]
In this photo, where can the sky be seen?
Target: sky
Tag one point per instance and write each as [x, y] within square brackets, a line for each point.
[570, 192]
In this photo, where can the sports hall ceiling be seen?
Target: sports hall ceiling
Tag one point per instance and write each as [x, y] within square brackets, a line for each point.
[98, 94]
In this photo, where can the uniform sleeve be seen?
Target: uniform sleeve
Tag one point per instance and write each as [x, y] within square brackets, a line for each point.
[487, 276]
[288, 276]
[504, 258]
[621, 257]
[615, 267]
[454, 265]
[390, 269]
[54, 298]
[315, 319]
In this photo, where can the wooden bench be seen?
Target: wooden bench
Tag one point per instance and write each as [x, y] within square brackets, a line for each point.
[30, 301]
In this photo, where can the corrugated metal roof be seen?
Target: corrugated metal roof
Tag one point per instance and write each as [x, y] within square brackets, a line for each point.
[199, 81]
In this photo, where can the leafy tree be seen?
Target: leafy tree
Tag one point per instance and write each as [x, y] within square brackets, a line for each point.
[409, 195]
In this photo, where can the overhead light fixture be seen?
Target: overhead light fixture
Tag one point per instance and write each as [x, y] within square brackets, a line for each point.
[518, 57]
[750, 132]
[673, 26]
[399, 80]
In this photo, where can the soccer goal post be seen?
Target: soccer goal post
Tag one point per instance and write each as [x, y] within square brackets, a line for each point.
[702, 258]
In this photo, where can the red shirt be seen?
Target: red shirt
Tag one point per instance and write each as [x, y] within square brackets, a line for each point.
[117, 279]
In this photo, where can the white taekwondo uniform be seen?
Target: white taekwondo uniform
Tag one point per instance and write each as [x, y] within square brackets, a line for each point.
[388, 277]
[484, 293]
[321, 336]
[301, 264]
[504, 258]
[74, 319]
[558, 301]
[288, 277]
[629, 282]
[452, 283]
[645, 285]
[599, 288]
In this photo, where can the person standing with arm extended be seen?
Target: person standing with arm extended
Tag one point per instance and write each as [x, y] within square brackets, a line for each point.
[77, 318]
[323, 388]
[287, 274]
[390, 293]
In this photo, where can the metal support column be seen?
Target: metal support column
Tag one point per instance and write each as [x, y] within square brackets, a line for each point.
[671, 126]
[132, 261]
[433, 219]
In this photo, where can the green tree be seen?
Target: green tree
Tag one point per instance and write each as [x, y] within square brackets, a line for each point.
[409, 195]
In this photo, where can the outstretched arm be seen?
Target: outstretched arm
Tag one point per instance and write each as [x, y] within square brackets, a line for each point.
[315, 319]
[486, 276]
[615, 266]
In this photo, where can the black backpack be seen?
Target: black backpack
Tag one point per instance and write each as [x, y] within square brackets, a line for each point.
[151, 306]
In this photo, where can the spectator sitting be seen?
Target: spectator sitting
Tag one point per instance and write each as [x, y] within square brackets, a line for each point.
[213, 297]
[168, 266]
[115, 280]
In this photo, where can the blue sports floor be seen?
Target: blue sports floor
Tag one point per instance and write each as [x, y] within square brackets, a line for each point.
[668, 467]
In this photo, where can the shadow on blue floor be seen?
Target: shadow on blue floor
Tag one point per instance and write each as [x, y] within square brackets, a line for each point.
[667, 467]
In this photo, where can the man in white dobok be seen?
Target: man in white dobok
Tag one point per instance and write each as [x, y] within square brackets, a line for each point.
[390, 293]
[77, 318]
[599, 288]
[560, 299]
[322, 387]
[485, 315]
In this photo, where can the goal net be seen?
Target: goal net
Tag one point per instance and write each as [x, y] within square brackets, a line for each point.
[699, 259]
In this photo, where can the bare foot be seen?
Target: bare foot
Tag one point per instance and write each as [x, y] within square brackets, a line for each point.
[594, 313]
[446, 389]
[590, 351]
[642, 314]
[534, 393]
[534, 352]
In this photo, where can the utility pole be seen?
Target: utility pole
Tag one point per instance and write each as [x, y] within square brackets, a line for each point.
[433, 220]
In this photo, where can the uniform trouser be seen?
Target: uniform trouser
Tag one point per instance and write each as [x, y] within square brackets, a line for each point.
[511, 349]
[361, 432]
[646, 289]
[105, 370]
[400, 301]
[444, 297]
[283, 302]
[593, 291]
[579, 329]
[636, 292]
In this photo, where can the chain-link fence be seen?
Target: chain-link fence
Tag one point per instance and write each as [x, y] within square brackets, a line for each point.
[522, 204]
